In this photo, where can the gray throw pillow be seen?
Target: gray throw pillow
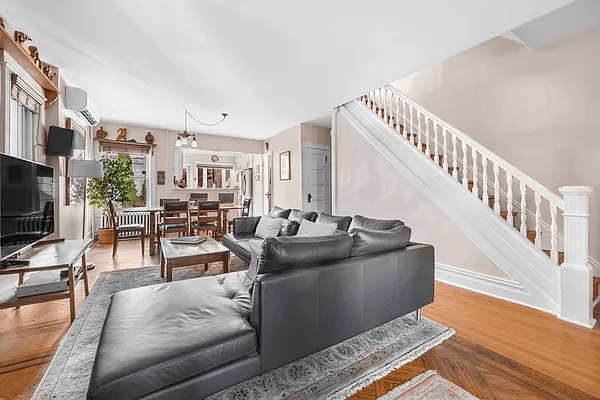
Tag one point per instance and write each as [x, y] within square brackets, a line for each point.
[288, 228]
[278, 212]
[268, 227]
[343, 222]
[312, 229]
[298, 215]
[358, 221]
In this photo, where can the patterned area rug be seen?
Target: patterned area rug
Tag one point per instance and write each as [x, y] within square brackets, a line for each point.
[428, 385]
[333, 373]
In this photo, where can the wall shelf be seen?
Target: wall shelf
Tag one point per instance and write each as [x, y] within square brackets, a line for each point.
[21, 56]
[121, 146]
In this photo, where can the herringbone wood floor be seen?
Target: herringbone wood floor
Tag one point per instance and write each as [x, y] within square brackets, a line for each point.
[500, 351]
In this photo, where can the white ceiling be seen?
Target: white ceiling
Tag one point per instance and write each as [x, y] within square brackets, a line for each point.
[270, 64]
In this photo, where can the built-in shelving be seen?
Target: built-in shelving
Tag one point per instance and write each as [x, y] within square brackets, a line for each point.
[121, 146]
[22, 57]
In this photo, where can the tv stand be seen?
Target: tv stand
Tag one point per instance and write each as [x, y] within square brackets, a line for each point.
[54, 255]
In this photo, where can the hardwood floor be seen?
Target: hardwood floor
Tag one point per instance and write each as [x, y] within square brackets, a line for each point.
[500, 350]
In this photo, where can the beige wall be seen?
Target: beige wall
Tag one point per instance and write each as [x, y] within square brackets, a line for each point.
[288, 193]
[539, 110]
[369, 185]
[315, 134]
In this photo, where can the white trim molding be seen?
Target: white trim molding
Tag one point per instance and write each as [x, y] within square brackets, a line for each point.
[500, 288]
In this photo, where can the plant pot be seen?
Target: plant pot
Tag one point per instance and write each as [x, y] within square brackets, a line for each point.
[105, 235]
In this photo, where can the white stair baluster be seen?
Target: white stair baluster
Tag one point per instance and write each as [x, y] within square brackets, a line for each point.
[436, 157]
[419, 132]
[398, 116]
[391, 110]
[384, 111]
[475, 190]
[445, 153]
[485, 198]
[523, 209]
[380, 102]
[553, 234]
[454, 158]
[538, 221]
[509, 195]
[407, 121]
[465, 175]
[427, 135]
[497, 189]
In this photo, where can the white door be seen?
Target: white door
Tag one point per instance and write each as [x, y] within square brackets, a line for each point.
[316, 185]
[266, 180]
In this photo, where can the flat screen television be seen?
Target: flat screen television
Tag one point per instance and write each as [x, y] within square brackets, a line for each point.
[26, 204]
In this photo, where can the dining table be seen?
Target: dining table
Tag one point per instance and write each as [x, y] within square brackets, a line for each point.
[156, 210]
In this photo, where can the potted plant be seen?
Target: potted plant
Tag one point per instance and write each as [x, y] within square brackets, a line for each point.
[118, 185]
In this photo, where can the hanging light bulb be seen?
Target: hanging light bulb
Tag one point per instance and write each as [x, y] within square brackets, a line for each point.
[178, 141]
[184, 141]
[194, 142]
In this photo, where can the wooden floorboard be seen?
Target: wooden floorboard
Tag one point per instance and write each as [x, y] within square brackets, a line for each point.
[500, 351]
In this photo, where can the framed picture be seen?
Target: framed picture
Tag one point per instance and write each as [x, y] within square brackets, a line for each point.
[160, 177]
[284, 166]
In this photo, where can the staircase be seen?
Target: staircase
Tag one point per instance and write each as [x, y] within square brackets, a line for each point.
[521, 225]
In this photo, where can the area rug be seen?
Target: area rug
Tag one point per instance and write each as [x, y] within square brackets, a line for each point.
[333, 373]
[428, 385]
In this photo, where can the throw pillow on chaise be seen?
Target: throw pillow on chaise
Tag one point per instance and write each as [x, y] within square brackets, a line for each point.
[299, 215]
[343, 222]
[268, 227]
[278, 212]
[308, 228]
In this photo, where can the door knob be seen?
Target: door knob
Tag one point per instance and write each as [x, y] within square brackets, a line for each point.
[309, 197]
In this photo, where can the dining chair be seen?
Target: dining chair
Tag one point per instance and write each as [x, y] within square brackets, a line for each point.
[245, 213]
[199, 196]
[226, 198]
[128, 228]
[209, 218]
[162, 201]
[175, 218]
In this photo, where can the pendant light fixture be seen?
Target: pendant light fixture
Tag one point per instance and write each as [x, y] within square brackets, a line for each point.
[182, 138]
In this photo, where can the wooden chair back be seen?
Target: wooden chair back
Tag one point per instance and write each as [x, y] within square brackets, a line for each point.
[176, 213]
[246, 207]
[209, 216]
[162, 201]
[226, 198]
[199, 196]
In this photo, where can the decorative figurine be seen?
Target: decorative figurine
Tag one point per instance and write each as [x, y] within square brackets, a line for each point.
[122, 134]
[47, 71]
[33, 52]
[149, 138]
[101, 133]
[21, 37]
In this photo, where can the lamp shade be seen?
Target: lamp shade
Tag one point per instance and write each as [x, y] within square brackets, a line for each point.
[86, 169]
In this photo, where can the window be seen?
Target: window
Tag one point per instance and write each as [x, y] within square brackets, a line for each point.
[215, 177]
[24, 108]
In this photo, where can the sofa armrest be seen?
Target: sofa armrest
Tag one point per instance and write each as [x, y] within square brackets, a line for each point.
[244, 225]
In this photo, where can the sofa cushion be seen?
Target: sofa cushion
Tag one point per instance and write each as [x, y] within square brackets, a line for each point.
[371, 241]
[289, 252]
[299, 215]
[308, 228]
[358, 221]
[278, 212]
[343, 222]
[237, 285]
[238, 244]
[268, 227]
[158, 335]
[288, 228]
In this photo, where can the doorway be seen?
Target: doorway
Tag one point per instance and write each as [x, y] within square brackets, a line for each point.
[316, 178]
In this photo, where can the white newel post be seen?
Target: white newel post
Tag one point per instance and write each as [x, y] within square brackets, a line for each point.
[334, 178]
[575, 273]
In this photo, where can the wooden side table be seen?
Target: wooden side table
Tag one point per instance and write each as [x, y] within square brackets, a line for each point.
[53, 255]
[182, 255]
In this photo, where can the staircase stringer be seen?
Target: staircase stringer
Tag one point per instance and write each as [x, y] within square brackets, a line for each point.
[512, 252]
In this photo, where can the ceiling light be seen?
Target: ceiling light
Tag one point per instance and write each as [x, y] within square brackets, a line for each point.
[183, 136]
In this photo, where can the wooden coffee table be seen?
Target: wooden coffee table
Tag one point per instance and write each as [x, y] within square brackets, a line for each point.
[184, 255]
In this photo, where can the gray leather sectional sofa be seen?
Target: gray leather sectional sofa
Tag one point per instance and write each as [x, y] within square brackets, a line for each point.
[189, 339]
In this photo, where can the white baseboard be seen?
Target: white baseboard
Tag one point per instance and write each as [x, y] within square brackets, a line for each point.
[500, 288]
